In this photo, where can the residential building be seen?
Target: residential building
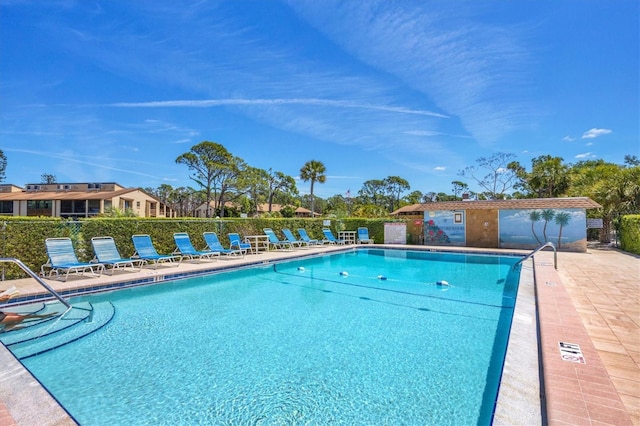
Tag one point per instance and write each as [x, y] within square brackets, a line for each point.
[75, 200]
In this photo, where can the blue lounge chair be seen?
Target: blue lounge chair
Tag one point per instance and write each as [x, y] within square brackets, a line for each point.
[235, 243]
[292, 239]
[275, 241]
[107, 253]
[363, 236]
[186, 249]
[213, 243]
[146, 250]
[329, 238]
[305, 237]
[62, 258]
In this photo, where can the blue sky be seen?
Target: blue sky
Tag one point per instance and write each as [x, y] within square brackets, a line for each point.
[115, 91]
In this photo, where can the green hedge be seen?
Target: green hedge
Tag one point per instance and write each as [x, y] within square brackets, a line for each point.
[23, 237]
[630, 233]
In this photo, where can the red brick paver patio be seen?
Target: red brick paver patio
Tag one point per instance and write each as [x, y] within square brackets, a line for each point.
[592, 300]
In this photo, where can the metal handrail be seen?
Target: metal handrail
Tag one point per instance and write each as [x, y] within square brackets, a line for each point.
[547, 244]
[35, 276]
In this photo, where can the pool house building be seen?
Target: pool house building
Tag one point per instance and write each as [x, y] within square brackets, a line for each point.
[509, 224]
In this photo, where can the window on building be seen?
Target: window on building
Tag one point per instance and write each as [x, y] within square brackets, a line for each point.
[73, 207]
[6, 207]
[39, 207]
[94, 206]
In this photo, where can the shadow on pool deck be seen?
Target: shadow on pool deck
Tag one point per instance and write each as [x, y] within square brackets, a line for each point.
[591, 300]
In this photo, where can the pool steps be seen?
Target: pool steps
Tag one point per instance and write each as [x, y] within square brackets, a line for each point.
[47, 334]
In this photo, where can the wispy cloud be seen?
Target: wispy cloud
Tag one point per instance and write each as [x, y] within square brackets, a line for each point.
[594, 133]
[260, 102]
[568, 139]
[431, 133]
[98, 162]
[440, 168]
[585, 155]
[282, 85]
[473, 71]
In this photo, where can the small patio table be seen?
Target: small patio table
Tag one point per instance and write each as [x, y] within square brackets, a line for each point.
[258, 242]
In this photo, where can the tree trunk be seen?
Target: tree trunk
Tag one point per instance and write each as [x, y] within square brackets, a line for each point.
[605, 232]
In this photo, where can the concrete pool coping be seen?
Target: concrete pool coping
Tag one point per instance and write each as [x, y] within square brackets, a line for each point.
[518, 400]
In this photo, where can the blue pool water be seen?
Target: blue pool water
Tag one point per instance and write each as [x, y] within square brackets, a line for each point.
[298, 343]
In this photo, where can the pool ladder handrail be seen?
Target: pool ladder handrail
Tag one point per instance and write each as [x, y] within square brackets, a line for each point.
[547, 244]
[35, 276]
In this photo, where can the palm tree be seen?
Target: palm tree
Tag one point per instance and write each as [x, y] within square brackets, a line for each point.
[562, 219]
[313, 171]
[534, 216]
[547, 215]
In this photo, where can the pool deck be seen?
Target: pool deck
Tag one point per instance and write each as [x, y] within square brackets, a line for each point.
[592, 300]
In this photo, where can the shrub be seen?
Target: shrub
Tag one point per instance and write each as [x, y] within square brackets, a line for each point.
[630, 233]
[23, 237]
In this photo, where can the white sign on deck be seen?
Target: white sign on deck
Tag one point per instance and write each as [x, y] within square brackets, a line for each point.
[571, 352]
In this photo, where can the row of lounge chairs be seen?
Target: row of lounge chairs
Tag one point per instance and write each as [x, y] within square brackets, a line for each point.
[290, 241]
[62, 258]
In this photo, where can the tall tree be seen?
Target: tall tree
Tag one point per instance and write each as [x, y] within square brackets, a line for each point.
[394, 186]
[614, 187]
[279, 182]
[229, 182]
[549, 177]
[459, 187]
[163, 192]
[338, 205]
[255, 183]
[208, 161]
[499, 178]
[47, 178]
[185, 201]
[429, 197]
[3, 165]
[372, 192]
[631, 160]
[313, 171]
[415, 197]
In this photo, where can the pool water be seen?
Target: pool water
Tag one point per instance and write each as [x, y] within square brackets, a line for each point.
[359, 337]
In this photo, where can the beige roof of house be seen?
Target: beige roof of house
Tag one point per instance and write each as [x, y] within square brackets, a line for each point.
[67, 195]
[525, 203]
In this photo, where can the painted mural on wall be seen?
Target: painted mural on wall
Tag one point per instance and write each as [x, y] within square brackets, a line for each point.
[566, 228]
[444, 227]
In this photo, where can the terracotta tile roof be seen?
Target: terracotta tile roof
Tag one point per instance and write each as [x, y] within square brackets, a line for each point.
[525, 203]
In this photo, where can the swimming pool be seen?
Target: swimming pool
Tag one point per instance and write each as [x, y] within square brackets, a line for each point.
[359, 337]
